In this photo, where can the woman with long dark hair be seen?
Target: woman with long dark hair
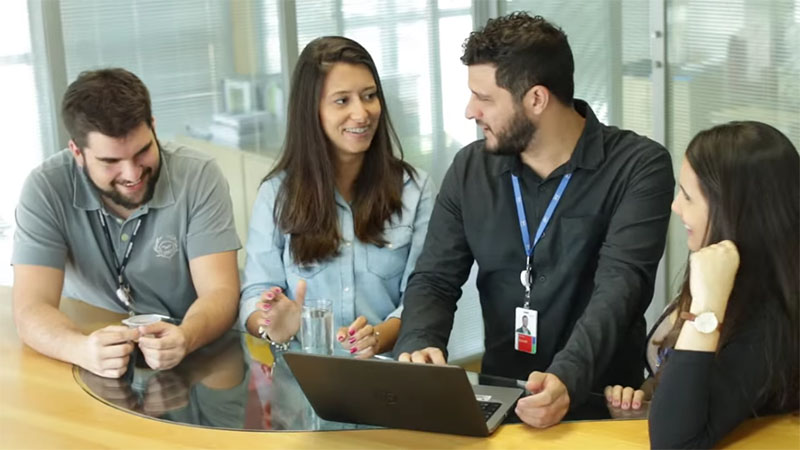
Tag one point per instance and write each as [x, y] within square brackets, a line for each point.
[341, 216]
[727, 348]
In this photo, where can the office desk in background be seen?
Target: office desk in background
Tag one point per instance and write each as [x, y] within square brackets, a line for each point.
[44, 407]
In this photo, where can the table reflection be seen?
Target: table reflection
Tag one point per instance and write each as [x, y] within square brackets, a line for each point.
[238, 383]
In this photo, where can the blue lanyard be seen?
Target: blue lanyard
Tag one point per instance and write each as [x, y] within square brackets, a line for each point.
[523, 223]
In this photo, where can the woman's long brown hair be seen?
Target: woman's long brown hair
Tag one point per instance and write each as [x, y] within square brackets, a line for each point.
[749, 173]
[305, 206]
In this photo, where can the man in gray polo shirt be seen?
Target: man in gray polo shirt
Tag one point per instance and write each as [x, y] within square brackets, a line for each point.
[121, 223]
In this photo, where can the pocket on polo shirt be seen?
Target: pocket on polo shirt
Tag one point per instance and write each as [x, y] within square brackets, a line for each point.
[389, 261]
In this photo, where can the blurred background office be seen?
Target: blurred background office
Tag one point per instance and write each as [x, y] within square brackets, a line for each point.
[219, 71]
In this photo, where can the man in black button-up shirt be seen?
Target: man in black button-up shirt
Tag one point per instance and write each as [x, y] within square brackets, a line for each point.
[595, 265]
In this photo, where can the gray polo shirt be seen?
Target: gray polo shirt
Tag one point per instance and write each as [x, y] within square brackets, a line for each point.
[190, 215]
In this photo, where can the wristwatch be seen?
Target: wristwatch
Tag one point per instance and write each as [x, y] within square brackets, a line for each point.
[705, 322]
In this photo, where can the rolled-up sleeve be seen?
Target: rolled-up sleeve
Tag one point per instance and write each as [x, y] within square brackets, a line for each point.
[264, 266]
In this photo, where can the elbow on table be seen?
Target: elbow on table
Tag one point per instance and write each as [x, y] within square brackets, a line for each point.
[666, 436]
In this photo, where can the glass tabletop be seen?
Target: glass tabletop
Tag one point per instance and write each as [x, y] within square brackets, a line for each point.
[238, 383]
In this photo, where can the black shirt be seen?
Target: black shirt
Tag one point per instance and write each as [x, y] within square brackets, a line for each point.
[702, 396]
[594, 267]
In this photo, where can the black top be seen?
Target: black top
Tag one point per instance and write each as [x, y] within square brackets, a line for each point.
[700, 398]
[594, 267]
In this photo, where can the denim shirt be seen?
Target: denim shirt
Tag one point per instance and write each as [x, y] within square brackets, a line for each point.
[363, 279]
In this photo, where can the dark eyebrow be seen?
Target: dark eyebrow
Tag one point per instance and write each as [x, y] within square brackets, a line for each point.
[369, 88]
[113, 160]
[481, 96]
[684, 191]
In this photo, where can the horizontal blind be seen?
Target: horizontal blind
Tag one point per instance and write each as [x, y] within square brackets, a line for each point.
[737, 60]
[731, 60]
[181, 49]
[25, 123]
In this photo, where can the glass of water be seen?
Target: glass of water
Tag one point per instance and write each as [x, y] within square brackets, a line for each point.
[316, 327]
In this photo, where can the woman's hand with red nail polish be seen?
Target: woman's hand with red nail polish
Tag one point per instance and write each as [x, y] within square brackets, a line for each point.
[277, 313]
[360, 338]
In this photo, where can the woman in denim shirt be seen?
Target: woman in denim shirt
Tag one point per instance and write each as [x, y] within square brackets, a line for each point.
[341, 216]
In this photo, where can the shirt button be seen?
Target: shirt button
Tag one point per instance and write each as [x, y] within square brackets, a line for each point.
[347, 243]
[347, 289]
[124, 237]
[389, 245]
[542, 278]
[119, 221]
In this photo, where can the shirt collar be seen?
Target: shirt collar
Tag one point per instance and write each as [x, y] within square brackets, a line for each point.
[588, 154]
[342, 202]
[87, 198]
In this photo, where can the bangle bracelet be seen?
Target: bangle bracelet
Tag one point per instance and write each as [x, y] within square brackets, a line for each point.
[282, 346]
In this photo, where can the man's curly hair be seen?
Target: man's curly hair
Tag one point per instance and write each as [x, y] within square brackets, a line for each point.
[527, 51]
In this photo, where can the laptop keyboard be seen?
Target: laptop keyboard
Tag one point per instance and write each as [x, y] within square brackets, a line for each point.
[488, 408]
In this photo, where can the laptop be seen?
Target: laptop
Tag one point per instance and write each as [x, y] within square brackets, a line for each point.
[393, 394]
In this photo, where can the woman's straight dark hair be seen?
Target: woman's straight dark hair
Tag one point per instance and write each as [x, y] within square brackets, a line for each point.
[305, 206]
[749, 173]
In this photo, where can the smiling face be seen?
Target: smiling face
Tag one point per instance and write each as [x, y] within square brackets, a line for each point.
[691, 206]
[507, 129]
[349, 108]
[123, 170]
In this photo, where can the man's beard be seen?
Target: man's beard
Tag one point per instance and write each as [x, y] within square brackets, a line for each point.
[117, 198]
[516, 137]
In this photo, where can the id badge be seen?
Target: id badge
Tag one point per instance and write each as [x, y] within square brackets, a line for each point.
[525, 330]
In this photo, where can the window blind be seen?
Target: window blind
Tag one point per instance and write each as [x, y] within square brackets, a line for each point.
[25, 129]
[181, 49]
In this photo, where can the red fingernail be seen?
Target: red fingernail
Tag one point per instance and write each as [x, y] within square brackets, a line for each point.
[636, 405]
[616, 402]
[341, 338]
[269, 295]
[352, 340]
[353, 350]
[352, 332]
[625, 405]
[267, 321]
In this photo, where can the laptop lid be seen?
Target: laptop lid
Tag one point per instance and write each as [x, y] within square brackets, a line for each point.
[398, 395]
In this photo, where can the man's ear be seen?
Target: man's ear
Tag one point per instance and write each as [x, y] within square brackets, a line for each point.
[76, 151]
[536, 100]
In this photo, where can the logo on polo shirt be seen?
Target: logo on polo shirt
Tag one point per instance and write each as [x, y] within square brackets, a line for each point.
[166, 246]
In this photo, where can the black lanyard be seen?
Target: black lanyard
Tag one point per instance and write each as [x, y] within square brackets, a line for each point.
[124, 297]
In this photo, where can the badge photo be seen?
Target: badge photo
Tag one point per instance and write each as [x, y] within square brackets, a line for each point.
[525, 330]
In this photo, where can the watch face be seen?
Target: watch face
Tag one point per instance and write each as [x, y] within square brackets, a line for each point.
[706, 322]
